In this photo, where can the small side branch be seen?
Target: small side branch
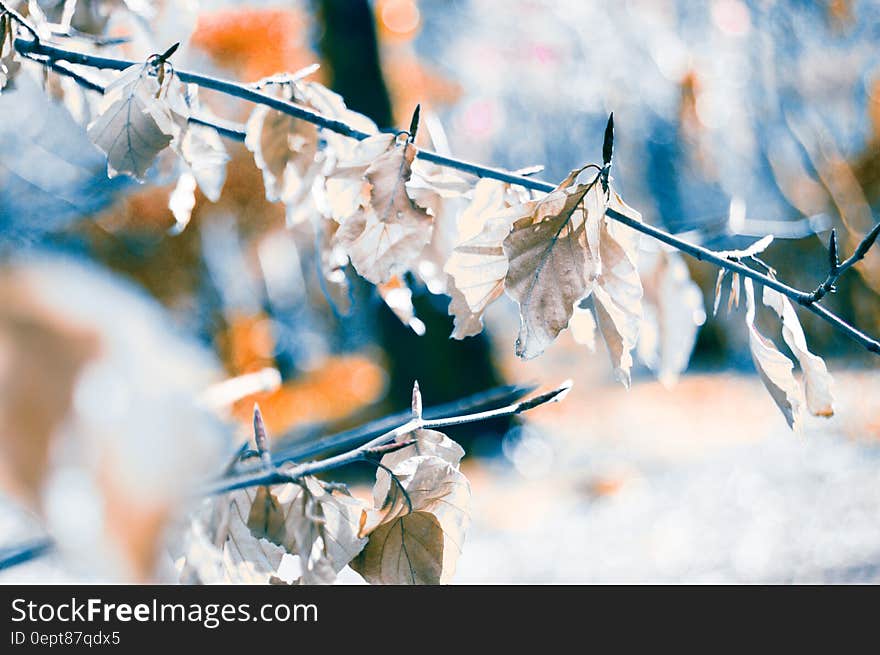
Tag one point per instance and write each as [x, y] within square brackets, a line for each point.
[24, 552]
[836, 268]
[379, 445]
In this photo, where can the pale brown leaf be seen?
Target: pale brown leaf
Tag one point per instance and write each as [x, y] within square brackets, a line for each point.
[549, 262]
[283, 146]
[385, 237]
[415, 536]
[319, 526]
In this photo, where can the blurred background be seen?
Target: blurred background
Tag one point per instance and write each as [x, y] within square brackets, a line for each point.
[734, 118]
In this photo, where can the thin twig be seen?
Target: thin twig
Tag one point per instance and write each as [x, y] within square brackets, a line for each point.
[836, 268]
[24, 552]
[303, 448]
[368, 449]
[804, 298]
[21, 20]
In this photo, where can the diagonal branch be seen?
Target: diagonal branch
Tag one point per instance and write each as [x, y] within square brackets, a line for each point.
[809, 300]
[377, 445]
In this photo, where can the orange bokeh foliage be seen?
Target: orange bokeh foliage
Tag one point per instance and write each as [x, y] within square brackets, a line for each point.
[340, 387]
[255, 42]
[409, 81]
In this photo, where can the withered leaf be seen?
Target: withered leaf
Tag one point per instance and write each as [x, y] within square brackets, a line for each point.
[136, 124]
[385, 237]
[774, 368]
[415, 536]
[319, 526]
[549, 262]
[617, 290]
[817, 380]
[220, 547]
[283, 146]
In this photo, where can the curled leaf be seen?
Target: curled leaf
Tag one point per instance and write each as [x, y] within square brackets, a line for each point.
[283, 146]
[817, 380]
[774, 368]
[617, 291]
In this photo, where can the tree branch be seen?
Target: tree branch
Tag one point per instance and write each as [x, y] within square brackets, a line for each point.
[377, 445]
[836, 269]
[309, 447]
[806, 299]
[24, 552]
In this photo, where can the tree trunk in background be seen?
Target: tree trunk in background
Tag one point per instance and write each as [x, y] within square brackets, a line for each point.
[446, 369]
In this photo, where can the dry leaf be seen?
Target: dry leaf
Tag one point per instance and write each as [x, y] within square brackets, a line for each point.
[774, 368]
[417, 534]
[199, 146]
[817, 380]
[673, 312]
[219, 547]
[617, 290]
[478, 268]
[465, 323]
[385, 237]
[346, 189]
[283, 146]
[549, 261]
[319, 526]
[719, 283]
[136, 124]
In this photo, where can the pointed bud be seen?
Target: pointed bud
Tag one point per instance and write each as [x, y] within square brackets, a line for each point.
[416, 401]
[833, 259]
[414, 123]
[167, 54]
[608, 144]
[261, 439]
